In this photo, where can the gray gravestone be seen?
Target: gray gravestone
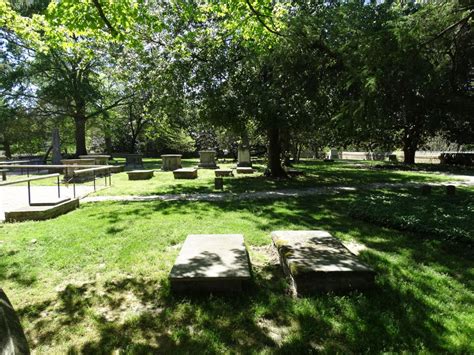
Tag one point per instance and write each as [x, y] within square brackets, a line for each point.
[211, 262]
[243, 156]
[316, 261]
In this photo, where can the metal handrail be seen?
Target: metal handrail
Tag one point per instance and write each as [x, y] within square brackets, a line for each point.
[93, 170]
[29, 180]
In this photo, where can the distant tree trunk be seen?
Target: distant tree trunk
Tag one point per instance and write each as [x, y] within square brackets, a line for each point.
[80, 126]
[46, 155]
[108, 144]
[274, 153]
[7, 147]
[80, 135]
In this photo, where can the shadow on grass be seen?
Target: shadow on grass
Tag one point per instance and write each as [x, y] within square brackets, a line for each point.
[411, 308]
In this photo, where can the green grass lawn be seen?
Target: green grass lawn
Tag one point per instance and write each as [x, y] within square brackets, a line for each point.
[317, 173]
[95, 281]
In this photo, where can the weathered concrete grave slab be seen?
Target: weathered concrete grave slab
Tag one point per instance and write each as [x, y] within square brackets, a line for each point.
[69, 171]
[211, 262]
[40, 213]
[12, 338]
[117, 169]
[316, 261]
[185, 173]
[140, 174]
[244, 170]
[99, 159]
[223, 172]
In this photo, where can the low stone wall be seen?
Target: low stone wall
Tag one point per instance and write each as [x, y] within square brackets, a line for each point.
[420, 156]
[363, 156]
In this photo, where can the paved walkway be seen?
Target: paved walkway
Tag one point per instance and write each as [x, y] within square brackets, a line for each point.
[14, 197]
[275, 194]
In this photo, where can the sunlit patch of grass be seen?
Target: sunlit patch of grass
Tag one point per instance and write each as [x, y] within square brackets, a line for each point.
[95, 281]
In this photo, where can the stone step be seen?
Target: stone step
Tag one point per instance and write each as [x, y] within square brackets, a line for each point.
[211, 262]
[40, 213]
[316, 261]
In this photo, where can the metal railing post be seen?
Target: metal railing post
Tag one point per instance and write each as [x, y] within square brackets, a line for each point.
[94, 181]
[29, 193]
[74, 188]
[59, 189]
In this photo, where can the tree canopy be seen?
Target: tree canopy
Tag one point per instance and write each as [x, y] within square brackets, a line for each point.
[382, 75]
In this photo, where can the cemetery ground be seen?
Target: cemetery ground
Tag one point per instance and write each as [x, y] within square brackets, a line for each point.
[95, 280]
[316, 173]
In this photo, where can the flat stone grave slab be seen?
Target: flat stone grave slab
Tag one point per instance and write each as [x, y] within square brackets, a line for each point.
[315, 261]
[117, 169]
[294, 172]
[140, 174]
[211, 262]
[223, 172]
[244, 170]
[40, 213]
[185, 173]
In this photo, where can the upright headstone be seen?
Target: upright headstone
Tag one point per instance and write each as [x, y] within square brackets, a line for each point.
[56, 158]
[243, 156]
[207, 159]
[333, 154]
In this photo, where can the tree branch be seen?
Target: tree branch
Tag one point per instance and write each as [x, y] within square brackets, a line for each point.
[100, 10]
[449, 28]
[258, 15]
[114, 104]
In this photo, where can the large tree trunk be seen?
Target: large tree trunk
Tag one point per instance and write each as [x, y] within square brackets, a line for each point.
[80, 135]
[410, 144]
[274, 153]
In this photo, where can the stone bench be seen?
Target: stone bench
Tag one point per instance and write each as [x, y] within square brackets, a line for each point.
[140, 174]
[4, 174]
[12, 337]
[315, 261]
[223, 172]
[41, 212]
[244, 170]
[185, 173]
[211, 262]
